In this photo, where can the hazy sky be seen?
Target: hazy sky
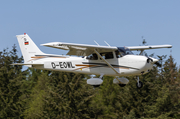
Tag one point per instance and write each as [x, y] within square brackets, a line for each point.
[118, 22]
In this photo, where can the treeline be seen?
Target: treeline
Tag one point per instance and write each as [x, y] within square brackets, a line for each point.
[36, 94]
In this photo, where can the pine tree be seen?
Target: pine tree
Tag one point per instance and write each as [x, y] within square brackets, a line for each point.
[35, 101]
[60, 95]
[71, 96]
[166, 104]
[11, 78]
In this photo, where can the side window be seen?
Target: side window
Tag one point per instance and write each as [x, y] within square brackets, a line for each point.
[92, 57]
[103, 55]
[107, 55]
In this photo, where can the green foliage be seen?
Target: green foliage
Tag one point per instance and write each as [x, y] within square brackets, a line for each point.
[60, 95]
[43, 94]
[11, 78]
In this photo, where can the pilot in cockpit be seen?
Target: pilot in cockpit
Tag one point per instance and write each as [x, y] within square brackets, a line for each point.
[95, 57]
[117, 54]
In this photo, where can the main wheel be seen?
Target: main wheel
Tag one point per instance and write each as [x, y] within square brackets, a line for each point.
[140, 84]
[122, 85]
[96, 86]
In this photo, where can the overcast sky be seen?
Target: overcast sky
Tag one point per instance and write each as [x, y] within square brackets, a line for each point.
[118, 22]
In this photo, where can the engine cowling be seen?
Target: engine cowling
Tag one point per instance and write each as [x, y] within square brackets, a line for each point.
[121, 80]
[95, 81]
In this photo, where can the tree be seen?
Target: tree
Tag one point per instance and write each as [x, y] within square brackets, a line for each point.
[166, 104]
[60, 95]
[11, 78]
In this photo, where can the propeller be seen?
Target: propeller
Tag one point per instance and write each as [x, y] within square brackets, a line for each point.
[158, 64]
[149, 60]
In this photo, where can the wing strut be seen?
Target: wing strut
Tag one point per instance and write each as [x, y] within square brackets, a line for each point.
[141, 52]
[105, 61]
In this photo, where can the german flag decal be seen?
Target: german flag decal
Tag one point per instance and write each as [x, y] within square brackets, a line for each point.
[26, 43]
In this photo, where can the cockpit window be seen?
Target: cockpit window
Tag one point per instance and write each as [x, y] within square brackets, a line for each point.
[124, 51]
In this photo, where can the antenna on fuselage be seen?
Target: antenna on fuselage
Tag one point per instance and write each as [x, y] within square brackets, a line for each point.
[107, 44]
[96, 42]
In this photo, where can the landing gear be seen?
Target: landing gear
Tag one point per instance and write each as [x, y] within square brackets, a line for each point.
[122, 85]
[95, 82]
[121, 81]
[139, 84]
[95, 86]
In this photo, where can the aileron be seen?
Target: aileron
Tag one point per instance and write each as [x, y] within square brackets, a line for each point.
[149, 47]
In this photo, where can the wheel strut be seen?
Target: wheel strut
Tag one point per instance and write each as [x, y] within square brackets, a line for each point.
[139, 83]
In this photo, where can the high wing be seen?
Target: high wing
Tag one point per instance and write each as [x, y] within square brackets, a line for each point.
[149, 47]
[85, 50]
[79, 49]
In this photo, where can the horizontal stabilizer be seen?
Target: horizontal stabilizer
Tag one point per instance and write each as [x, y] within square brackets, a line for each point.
[26, 64]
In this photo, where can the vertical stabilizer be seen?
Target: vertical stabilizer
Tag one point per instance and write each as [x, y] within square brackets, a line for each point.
[28, 47]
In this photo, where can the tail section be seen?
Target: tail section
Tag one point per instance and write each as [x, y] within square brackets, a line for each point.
[28, 47]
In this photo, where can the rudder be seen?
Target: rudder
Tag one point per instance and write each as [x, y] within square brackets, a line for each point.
[28, 47]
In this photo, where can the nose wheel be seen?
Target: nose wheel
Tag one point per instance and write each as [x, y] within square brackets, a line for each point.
[139, 84]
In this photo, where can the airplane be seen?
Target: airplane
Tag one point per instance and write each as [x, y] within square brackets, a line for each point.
[95, 59]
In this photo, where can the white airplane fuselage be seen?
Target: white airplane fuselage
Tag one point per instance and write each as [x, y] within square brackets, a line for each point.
[99, 60]
[126, 65]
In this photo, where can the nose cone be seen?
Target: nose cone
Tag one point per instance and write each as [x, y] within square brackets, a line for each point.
[155, 60]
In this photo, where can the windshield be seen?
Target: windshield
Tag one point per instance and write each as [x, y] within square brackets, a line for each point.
[124, 51]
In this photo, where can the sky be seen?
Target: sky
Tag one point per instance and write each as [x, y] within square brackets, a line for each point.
[118, 22]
